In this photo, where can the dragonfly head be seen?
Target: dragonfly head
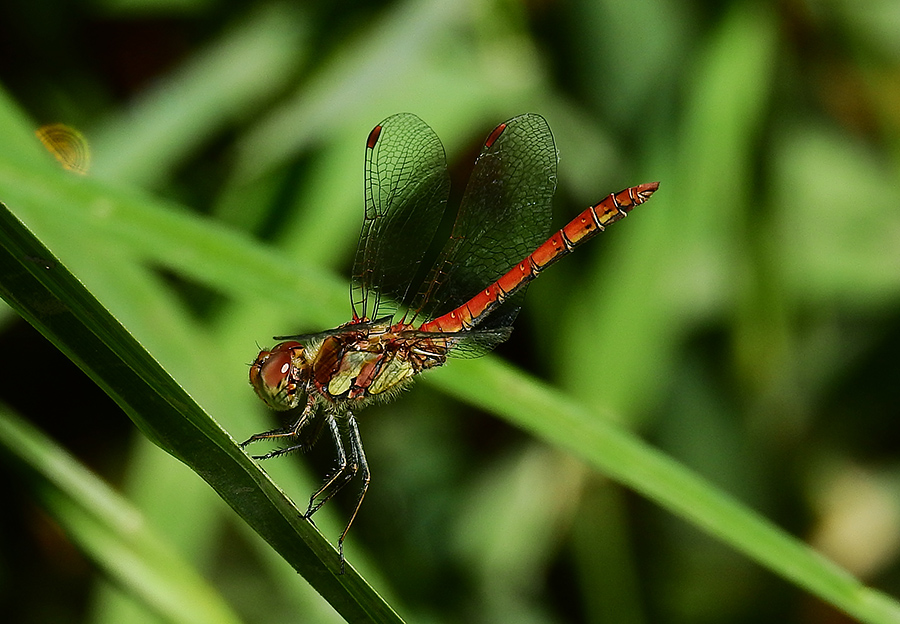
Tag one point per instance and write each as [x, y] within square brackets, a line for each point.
[276, 375]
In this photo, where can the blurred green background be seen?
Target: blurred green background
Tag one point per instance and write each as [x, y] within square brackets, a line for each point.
[746, 321]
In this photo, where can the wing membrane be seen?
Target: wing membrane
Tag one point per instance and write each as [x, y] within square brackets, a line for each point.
[505, 214]
[470, 344]
[406, 189]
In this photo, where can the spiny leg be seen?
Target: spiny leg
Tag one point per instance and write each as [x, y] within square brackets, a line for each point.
[345, 433]
[359, 461]
[294, 431]
[301, 446]
[341, 475]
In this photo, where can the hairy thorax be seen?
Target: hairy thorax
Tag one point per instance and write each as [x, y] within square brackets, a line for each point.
[373, 364]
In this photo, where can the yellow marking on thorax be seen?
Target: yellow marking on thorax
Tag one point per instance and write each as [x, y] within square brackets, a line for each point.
[394, 372]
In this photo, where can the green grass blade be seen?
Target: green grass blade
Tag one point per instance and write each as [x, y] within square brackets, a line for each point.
[49, 297]
[249, 64]
[109, 529]
[202, 250]
[552, 416]
[196, 249]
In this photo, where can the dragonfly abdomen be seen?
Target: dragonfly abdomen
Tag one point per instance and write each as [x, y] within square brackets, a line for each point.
[585, 226]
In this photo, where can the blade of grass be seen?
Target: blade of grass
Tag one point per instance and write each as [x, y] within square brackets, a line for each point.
[211, 254]
[392, 63]
[552, 416]
[108, 529]
[49, 297]
[250, 63]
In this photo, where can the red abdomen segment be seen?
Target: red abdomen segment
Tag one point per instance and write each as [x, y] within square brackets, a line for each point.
[583, 227]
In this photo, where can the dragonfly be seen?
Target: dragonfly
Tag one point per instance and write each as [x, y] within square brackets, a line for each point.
[464, 306]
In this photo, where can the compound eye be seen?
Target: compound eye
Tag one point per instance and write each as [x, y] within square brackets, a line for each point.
[275, 369]
[271, 375]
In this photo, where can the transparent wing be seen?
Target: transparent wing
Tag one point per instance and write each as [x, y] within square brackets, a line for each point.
[469, 344]
[505, 214]
[406, 189]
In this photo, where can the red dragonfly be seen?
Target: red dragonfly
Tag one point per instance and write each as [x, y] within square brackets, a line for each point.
[466, 304]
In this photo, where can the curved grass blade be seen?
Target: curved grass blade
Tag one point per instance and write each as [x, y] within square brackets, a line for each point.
[194, 246]
[49, 297]
[555, 418]
[109, 530]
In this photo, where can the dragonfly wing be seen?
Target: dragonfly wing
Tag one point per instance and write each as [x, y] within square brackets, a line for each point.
[469, 344]
[505, 214]
[406, 189]
[360, 326]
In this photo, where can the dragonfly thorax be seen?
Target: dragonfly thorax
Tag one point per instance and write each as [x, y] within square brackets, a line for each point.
[371, 361]
[361, 362]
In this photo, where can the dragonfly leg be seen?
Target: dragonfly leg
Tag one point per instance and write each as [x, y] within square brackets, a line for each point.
[346, 438]
[343, 473]
[300, 428]
[359, 459]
